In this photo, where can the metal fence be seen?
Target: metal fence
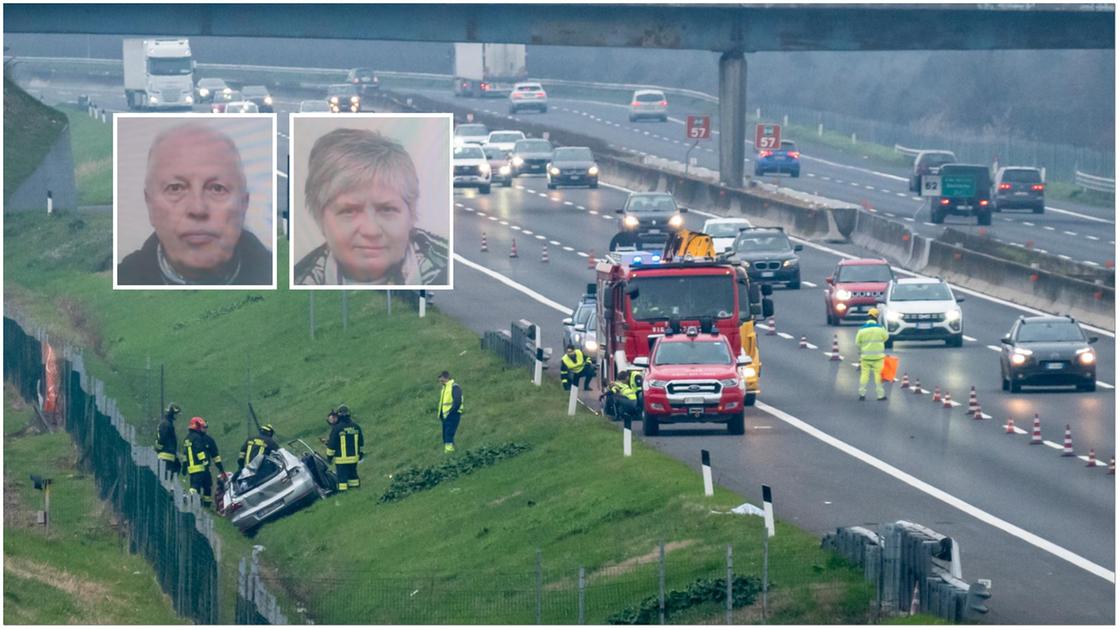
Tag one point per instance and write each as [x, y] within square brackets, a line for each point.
[1092, 182]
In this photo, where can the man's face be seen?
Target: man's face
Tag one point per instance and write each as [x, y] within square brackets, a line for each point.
[443, 380]
[196, 201]
[367, 229]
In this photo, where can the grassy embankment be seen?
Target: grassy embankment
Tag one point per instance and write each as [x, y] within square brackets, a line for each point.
[92, 142]
[81, 572]
[30, 129]
[572, 495]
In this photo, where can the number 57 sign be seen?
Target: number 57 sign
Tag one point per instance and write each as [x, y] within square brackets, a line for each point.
[698, 128]
[767, 136]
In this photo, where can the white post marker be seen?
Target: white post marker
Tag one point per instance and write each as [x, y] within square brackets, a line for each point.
[573, 394]
[768, 516]
[820, 129]
[538, 365]
[50, 203]
[706, 465]
[627, 438]
[768, 511]
[955, 561]
[423, 303]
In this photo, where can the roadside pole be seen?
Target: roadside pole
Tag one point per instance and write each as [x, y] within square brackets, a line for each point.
[538, 365]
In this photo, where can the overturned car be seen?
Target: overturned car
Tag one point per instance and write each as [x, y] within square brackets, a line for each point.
[274, 485]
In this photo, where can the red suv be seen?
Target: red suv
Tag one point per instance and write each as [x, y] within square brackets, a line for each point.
[854, 287]
[693, 377]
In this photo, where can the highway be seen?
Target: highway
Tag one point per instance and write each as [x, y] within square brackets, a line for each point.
[1040, 526]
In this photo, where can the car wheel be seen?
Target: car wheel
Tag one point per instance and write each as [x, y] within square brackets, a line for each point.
[795, 284]
[737, 424]
[512, 111]
[796, 173]
[750, 400]
[508, 183]
[1038, 209]
[544, 110]
[649, 425]
[1004, 383]
[484, 189]
[936, 216]
[889, 343]
[664, 119]
[829, 318]
[996, 208]
[757, 172]
[594, 184]
[632, 119]
[955, 341]
[1015, 387]
[551, 186]
[984, 218]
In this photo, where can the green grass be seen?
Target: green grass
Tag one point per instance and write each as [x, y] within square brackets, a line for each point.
[30, 130]
[81, 572]
[92, 143]
[1072, 192]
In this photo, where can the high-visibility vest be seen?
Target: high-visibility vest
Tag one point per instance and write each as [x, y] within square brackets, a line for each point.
[871, 340]
[198, 453]
[576, 364]
[618, 387]
[446, 400]
[348, 447]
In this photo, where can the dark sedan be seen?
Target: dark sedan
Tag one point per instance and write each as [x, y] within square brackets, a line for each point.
[649, 217]
[259, 95]
[573, 166]
[531, 156]
[768, 256]
[1047, 351]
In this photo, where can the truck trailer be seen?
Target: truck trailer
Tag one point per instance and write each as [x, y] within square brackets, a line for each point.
[158, 74]
[488, 69]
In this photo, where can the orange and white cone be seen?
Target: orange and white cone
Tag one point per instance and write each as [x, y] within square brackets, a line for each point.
[905, 381]
[484, 247]
[918, 386]
[773, 330]
[1036, 432]
[1067, 443]
[1112, 465]
[804, 343]
[946, 401]
[544, 254]
[978, 414]
[973, 403]
[1092, 459]
[937, 394]
[513, 249]
[1010, 428]
[591, 260]
[835, 355]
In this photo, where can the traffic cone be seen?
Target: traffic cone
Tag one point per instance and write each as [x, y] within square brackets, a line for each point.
[973, 404]
[804, 343]
[1036, 433]
[1112, 465]
[918, 386]
[937, 394]
[905, 381]
[591, 260]
[773, 329]
[1067, 443]
[1010, 429]
[835, 356]
[484, 247]
[1092, 459]
[513, 249]
[977, 415]
[946, 401]
[915, 600]
[544, 254]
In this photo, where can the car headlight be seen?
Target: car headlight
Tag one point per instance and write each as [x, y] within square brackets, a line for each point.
[792, 262]
[504, 170]
[553, 171]
[676, 221]
[203, 92]
[630, 221]
[518, 161]
[1086, 356]
[657, 384]
[594, 170]
[190, 99]
[841, 307]
[747, 372]
[355, 99]
[591, 345]
[893, 315]
[729, 382]
[484, 169]
[843, 294]
[268, 100]
[1018, 359]
[953, 315]
[334, 100]
[153, 99]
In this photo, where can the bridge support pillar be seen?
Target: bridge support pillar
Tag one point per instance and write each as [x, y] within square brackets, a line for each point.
[732, 117]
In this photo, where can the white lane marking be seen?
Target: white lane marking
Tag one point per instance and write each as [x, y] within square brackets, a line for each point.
[826, 178]
[282, 174]
[568, 249]
[527, 231]
[854, 168]
[828, 353]
[540, 238]
[908, 219]
[941, 495]
[873, 210]
[585, 255]
[1049, 227]
[812, 347]
[901, 194]
[890, 214]
[1064, 257]
[1069, 233]
[603, 216]
[568, 203]
[593, 211]
[809, 284]
[515, 285]
[1105, 385]
[1052, 444]
[995, 348]
[856, 184]
[928, 223]
[967, 338]
[916, 198]
[579, 207]
[1090, 237]
[869, 187]
[1028, 223]
[1078, 215]
[502, 221]
[884, 190]
[1087, 262]
[554, 243]
[530, 191]
[784, 335]
[811, 174]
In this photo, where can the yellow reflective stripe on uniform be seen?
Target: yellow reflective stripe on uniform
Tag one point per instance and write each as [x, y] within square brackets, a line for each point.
[193, 467]
[166, 456]
[348, 443]
[447, 398]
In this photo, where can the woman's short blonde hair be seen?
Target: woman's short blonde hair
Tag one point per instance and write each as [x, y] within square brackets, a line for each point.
[346, 158]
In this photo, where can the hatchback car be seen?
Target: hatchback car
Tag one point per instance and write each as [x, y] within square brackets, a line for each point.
[364, 79]
[314, 106]
[471, 168]
[274, 485]
[650, 216]
[724, 232]
[928, 163]
[241, 107]
[528, 96]
[1019, 187]
[573, 166]
[768, 255]
[210, 89]
[965, 191]
[531, 155]
[785, 159]
[1047, 351]
[471, 133]
[854, 287]
[501, 171]
[579, 329]
[649, 104]
[219, 104]
[922, 309]
[344, 97]
[259, 95]
[504, 139]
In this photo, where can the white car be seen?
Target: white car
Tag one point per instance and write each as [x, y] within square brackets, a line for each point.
[471, 134]
[242, 107]
[504, 139]
[528, 96]
[724, 231]
[649, 104]
[921, 309]
[314, 106]
[472, 169]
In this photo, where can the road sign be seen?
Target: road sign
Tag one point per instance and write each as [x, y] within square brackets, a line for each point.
[958, 186]
[931, 185]
[698, 128]
[767, 136]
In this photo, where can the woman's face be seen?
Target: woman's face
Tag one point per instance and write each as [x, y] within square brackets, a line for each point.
[367, 229]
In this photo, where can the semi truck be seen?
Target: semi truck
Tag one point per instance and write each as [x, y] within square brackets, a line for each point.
[488, 69]
[158, 74]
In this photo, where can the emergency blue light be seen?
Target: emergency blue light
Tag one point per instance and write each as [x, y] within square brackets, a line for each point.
[637, 260]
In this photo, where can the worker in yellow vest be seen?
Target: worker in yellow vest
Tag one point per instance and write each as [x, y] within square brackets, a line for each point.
[575, 365]
[450, 409]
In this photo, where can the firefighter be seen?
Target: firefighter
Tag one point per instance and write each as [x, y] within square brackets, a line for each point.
[264, 442]
[574, 365]
[199, 451]
[166, 440]
[871, 340]
[450, 409]
[621, 399]
[344, 447]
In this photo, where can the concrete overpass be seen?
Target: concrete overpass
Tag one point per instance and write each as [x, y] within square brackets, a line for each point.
[729, 29]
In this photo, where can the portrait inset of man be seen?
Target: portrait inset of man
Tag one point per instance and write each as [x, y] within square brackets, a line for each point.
[364, 196]
[198, 198]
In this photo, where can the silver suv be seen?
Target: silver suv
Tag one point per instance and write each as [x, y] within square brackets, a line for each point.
[528, 96]
[922, 309]
[649, 104]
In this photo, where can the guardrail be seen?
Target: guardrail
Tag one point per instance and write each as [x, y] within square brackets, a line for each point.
[1092, 182]
[898, 148]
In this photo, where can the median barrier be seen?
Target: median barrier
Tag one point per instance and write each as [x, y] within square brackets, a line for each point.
[1046, 262]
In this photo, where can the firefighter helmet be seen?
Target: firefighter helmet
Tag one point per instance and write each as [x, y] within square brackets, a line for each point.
[343, 411]
[266, 429]
[197, 424]
[173, 410]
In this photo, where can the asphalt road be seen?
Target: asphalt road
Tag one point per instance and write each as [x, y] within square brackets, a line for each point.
[832, 460]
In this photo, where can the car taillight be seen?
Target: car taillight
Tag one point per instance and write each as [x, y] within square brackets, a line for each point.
[794, 154]
[765, 153]
[983, 202]
[1038, 186]
[664, 103]
[635, 104]
[538, 94]
[1005, 186]
[484, 86]
[944, 201]
[357, 80]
